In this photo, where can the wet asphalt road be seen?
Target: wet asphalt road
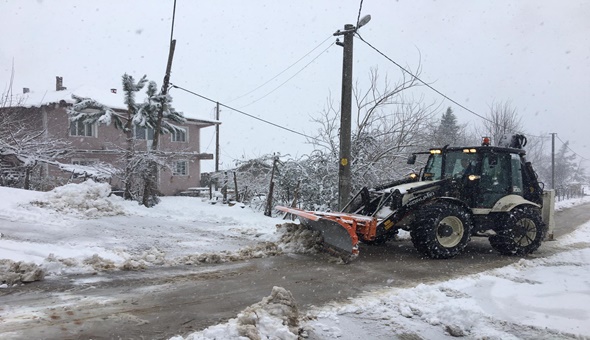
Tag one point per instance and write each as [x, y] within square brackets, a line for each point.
[161, 302]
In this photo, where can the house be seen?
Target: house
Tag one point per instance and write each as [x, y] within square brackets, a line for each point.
[100, 146]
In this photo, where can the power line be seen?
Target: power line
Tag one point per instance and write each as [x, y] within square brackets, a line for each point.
[445, 96]
[293, 76]
[567, 146]
[283, 71]
[244, 113]
[423, 82]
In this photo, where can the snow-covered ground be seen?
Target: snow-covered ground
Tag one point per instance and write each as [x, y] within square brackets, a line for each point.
[78, 229]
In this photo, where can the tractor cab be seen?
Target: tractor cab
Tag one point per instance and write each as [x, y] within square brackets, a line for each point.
[482, 174]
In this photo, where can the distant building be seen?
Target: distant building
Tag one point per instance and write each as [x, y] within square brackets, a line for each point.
[99, 144]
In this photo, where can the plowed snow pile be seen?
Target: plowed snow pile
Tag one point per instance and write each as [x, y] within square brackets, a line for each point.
[275, 317]
[88, 198]
[296, 238]
[79, 228]
[12, 272]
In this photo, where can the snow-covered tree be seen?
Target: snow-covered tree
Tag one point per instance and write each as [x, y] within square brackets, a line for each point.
[144, 114]
[501, 123]
[387, 126]
[156, 113]
[25, 146]
[449, 131]
[568, 168]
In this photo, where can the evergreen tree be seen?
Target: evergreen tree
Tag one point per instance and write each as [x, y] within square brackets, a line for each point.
[156, 113]
[448, 131]
[567, 169]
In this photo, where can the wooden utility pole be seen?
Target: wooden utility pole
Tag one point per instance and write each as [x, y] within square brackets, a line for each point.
[151, 186]
[344, 177]
[553, 160]
[236, 193]
[268, 208]
[217, 138]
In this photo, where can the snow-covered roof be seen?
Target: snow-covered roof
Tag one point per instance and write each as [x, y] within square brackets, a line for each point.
[113, 98]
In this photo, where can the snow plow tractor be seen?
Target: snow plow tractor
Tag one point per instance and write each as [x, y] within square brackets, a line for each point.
[461, 192]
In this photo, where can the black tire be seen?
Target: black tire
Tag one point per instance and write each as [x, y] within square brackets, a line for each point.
[441, 230]
[519, 232]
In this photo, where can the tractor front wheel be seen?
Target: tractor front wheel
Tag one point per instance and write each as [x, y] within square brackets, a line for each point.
[519, 232]
[441, 230]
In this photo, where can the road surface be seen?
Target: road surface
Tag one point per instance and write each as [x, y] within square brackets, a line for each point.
[162, 302]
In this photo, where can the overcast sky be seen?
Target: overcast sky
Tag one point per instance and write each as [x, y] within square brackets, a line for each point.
[534, 54]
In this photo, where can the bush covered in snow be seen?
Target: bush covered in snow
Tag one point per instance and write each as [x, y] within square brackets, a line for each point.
[88, 198]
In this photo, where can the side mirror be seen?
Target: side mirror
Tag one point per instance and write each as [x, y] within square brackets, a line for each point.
[412, 159]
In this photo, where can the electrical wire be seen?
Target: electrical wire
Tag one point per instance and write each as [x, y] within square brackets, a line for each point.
[244, 113]
[423, 82]
[283, 71]
[567, 146]
[293, 76]
[445, 96]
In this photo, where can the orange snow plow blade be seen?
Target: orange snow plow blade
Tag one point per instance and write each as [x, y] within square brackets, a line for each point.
[340, 231]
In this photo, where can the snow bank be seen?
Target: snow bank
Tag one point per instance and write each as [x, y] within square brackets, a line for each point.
[88, 199]
[561, 205]
[532, 298]
[79, 228]
[275, 317]
[293, 238]
[296, 238]
[13, 273]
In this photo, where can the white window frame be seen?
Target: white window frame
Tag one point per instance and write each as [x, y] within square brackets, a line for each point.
[146, 134]
[89, 129]
[175, 168]
[183, 132]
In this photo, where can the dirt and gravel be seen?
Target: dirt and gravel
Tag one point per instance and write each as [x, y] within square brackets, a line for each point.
[160, 302]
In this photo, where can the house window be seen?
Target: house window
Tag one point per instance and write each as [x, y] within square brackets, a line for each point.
[144, 133]
[179, 135]
[79, 128]
[84, 162]
[180, 168]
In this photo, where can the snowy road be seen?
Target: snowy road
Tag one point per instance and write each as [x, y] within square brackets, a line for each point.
[162, 302]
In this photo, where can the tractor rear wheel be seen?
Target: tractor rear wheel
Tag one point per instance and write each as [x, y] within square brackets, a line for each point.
[441, 230]
[520, 232]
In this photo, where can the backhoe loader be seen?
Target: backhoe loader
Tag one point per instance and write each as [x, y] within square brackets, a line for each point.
[489, 191]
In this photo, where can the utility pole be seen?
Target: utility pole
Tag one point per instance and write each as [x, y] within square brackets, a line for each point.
[553, 160]
[151, 181]
[344, 177]
[268, 208]
[345, 116]
[217, 138]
